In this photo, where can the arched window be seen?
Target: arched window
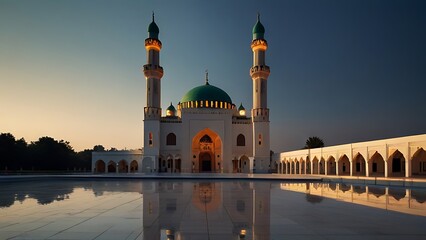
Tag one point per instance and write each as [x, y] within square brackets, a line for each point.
[260, 139]
[241, 140]
[206, 139]
[171, 139]
[150, 139]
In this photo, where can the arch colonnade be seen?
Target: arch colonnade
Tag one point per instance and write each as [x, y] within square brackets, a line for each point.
[394, 157]
[117, 162]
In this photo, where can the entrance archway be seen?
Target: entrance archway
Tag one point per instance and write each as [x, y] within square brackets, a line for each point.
[344, 166]
[100, 166]
[205, 163]
[418, 162]
[376, 165]
[358, 165]
[207, 151]
[396, 164]
[123, 167]
[134, 166]
[111, 167]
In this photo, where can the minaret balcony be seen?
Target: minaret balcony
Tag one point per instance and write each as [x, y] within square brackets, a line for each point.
[260, 115]
[259, 44]
[152, 113]
[260, 71]
[153, 71]
[152, 43]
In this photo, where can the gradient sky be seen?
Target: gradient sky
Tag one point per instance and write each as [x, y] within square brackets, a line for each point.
[345, 71]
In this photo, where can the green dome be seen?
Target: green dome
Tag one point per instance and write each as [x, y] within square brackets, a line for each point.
[258, 29]
[153, 29]
[206, 92]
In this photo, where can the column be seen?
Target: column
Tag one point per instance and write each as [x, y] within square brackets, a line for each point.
[386, 168]
[367, 168]
[337, 166]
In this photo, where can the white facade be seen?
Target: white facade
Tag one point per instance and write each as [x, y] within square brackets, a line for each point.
[206, 133]
[394, 157]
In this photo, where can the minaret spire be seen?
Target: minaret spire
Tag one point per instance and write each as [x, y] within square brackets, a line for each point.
[207, 77]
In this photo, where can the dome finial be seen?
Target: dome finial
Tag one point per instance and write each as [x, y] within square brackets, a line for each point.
[258, 16]
[153, 16]
[207, 77]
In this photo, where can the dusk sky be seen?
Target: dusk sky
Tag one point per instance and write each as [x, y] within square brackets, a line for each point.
[346, 71]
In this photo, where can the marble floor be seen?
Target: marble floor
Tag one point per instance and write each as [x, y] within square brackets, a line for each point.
[208, 209]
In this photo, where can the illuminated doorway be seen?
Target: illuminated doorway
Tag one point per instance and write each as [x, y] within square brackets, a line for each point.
[207, 151]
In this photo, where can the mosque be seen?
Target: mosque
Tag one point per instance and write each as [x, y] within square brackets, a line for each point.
[206, 132]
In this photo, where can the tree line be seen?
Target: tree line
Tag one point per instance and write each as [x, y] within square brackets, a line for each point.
[45, 154]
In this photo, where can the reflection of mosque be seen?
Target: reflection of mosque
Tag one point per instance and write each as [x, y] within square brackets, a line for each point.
[196, 210]
[403, 200]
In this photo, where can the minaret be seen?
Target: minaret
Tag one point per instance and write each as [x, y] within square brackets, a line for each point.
[152, 112]
[260, 112]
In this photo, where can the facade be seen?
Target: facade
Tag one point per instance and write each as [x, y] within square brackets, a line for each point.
[394, 157]
[206, 132]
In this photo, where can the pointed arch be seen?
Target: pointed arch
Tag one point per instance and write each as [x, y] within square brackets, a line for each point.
[418, 162]
[123, 167]
[241, 140]
[134, 166]
[396, 164]
[376, 165]
[171, 139]
[100, 166]
[331, 166]
[358, 165]
[344, 165]
[315, 165]
[112, 167]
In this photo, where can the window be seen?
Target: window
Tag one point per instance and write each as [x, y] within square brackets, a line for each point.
[150, 139]
[260, 139]
[241, 140]
[171, 139]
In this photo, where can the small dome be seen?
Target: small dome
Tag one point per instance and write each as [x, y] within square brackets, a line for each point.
[171, 111]
[208, 93]
[241, 107]
[241, 110]
[258, 29]
[153, 29]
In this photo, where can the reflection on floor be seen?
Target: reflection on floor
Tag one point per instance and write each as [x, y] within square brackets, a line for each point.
[199, 210]
[403, 200]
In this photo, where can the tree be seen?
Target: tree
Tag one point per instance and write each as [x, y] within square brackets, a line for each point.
[314, 142]
[98, 148]
[50, 154]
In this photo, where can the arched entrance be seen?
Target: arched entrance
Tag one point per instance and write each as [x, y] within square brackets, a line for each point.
[100, 166]
[207, 152]
[418, 162]
[331, 166]
[205, 162]
[123, 167]
[358, 165]
[376, 165]
[111, 167]
[134, 166]
[315, 165]
[344, 166]
[396, 164]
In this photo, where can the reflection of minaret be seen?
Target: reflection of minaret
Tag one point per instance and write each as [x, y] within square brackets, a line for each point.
[260, 112]
[151, 210]
[261, 211]
[152, 112]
